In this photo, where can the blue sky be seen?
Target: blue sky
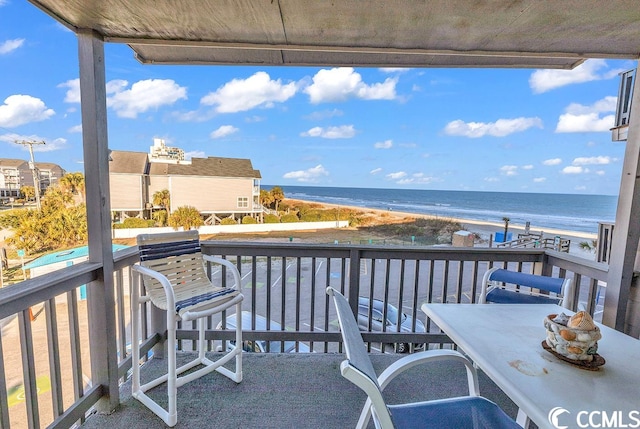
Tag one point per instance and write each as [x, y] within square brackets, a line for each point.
[448, 129]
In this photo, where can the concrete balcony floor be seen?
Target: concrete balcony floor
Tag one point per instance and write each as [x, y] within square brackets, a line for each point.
[283, 391]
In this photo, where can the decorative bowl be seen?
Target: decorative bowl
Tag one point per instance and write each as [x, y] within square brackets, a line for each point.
[575, 338]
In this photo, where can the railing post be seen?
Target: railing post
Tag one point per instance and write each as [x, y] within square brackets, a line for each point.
[354, 279]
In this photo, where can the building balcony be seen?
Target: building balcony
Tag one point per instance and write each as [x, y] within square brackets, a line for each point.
[66, 356]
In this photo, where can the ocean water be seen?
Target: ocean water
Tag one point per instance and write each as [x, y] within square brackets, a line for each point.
[559, 211]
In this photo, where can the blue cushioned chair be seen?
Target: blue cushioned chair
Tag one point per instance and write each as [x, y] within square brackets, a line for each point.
[502, 286]
[173, 273]
[471, 411]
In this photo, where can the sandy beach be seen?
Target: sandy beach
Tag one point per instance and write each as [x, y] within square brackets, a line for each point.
[483, 230]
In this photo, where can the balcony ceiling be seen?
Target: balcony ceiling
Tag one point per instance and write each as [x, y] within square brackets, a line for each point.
[376, 33]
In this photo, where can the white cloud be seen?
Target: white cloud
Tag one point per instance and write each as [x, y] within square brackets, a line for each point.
[573, 169]
[500, 128]
[75, 129]
[143, 96]
[527, 167]
[394, 69]
[509, 170]
[341, 132]
[23, 109]
[254, 119]
[594, 160]
[341, 84]
[10, 45]
[49, 146]
[376, 171]
[309, 175]
[194, 154]
[539, 179]
[552, 161]
[240, 95]
[416, 178]
[546, 80]
[324, 114]
[397, 175]
[491, 179]
[387, 144]
[580, 118]
[223, 131]
[73, 91]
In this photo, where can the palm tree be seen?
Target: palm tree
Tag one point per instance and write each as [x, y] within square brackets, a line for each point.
[277, 194]
[28, 192]
[506, 227]
[162, 199]
[74, 183]
[266, 198]
[186, 217]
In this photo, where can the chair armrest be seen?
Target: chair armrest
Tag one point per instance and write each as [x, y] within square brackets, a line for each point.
[221, 261]
[420, 358]
[412, 360]
[168, 290]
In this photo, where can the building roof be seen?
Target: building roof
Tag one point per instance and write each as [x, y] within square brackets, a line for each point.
[128, 162]
[47, 166]
[65, 255]
[409, 33]
[215, 166]
[136, 163]
[11, 163]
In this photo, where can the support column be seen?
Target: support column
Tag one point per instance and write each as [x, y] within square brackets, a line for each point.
[627, 227]
[100, 294]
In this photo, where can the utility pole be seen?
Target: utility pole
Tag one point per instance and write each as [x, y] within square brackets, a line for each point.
[32, 166]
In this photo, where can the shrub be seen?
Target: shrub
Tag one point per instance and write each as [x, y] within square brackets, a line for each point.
[248, 220]
[186, 217]
[271, 218]
[134, 222]
[228, 221]
[289, 218]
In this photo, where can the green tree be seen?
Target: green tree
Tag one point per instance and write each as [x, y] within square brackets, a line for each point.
[186, 217]
[162, 199]
[266, 198]
[277, 194]
[73, 183]
[61, 221]
[160, 217]
[28, 192]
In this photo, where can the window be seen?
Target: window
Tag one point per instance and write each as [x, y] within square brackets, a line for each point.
[243, 202]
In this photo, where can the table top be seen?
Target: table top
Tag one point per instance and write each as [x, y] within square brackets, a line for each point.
[505, 342]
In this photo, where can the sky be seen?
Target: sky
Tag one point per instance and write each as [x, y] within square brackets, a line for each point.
[509, 130]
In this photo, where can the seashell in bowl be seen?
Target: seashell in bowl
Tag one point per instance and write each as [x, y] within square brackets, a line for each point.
[581, 320]
[573, 342]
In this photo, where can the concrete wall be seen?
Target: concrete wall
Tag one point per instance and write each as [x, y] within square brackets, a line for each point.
[234, 229]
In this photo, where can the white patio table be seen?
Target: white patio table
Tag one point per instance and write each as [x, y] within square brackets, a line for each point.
[505, 342]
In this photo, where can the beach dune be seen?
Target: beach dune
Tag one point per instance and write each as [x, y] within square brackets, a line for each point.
[483, 229]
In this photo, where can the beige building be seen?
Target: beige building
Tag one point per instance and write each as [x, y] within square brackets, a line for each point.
[15, 173]
[216, 187]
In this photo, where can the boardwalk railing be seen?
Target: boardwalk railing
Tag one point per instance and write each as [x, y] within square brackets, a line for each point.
[47, 357]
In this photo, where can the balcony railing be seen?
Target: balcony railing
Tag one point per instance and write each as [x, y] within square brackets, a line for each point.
[47, 355]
